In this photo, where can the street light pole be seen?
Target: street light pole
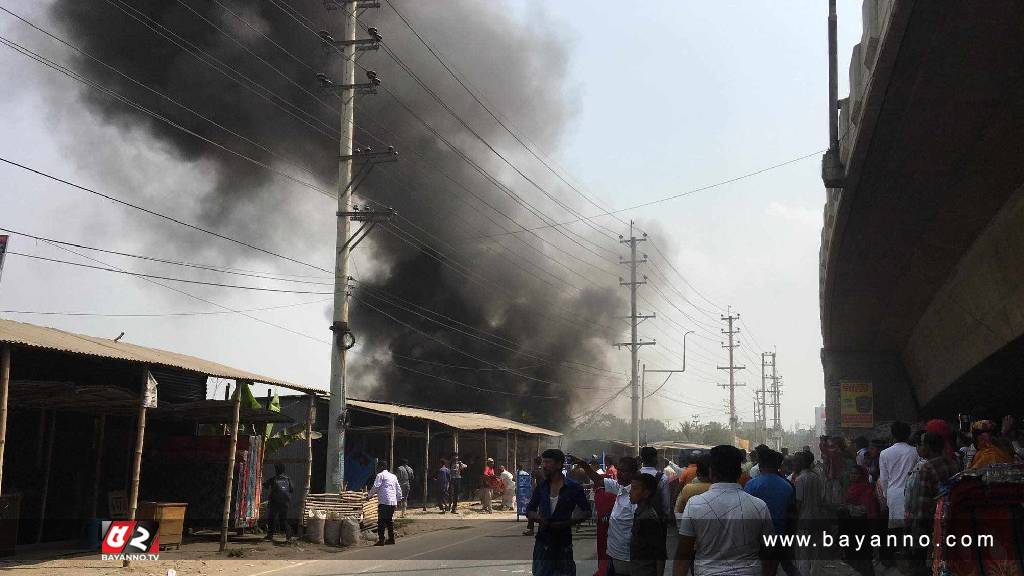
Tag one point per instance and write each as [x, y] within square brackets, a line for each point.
[644, 396]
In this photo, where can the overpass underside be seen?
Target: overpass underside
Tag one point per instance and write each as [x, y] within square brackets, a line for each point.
[922, 275]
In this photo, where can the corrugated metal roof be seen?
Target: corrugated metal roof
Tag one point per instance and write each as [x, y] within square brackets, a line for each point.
[460, 420]
[23, 334]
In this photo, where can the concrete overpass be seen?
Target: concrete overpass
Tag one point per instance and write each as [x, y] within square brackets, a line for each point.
[922, 253]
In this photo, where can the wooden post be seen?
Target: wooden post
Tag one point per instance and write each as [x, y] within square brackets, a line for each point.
[515, 453]
[537, 447]
[46, 478]
[310, 418]
[5, 384]
[426, 466]
[507, 446]
[455, 442]
[101, 425]
[140, 436]
[391, 450]
[485, 447]
[232, 448]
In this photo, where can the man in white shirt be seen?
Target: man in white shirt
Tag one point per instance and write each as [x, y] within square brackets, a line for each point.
[894, 466]
[390, 492]
[721, 532]
[620, 523]
[508, 494]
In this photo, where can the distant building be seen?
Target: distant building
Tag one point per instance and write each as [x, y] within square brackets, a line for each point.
[819, 420]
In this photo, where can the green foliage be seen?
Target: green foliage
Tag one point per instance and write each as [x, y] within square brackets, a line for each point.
[286, 436]
[612, 427]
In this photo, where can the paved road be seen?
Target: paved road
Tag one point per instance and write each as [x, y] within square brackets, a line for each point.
[492, 547]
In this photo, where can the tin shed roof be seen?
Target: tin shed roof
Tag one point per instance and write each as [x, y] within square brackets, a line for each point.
[42, 337]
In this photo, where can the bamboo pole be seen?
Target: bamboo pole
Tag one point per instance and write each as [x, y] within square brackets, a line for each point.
[232, 448]
[140, 436]
[5, 383]
[101, 426]
[426, 466]
[391, 450]
[310, 418]
[46, 478]
[515, 453]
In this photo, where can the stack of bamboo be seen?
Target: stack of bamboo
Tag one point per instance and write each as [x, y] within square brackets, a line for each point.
[346, 505]
[369, 519]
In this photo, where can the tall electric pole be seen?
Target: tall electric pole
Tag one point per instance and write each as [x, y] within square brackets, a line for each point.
[345, 241]
[767, 398]
[732, 368]
[634, 321]
[777, 406]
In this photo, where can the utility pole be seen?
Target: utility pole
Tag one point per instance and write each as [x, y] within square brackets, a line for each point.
[634, 320]
[767, 397]
[777, 406]
[771, 377]
[345, 241]
[732, 367]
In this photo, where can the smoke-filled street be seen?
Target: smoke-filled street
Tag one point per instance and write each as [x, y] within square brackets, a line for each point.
[573, 287]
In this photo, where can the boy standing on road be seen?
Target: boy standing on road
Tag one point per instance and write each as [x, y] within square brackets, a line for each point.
[647, 549]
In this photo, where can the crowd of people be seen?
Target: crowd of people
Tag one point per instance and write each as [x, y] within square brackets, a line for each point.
[741, 514]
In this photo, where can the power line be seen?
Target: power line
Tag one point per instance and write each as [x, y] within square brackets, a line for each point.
[672, 197]
[220, 269]
[454, 348]
[488, 390]
[168, 278]
[76, 76]
[157, 314]
[488, 109]
[158, 93]
[201, 299]
[160, 215]
[483, 172]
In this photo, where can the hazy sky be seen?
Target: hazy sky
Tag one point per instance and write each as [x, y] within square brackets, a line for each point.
[669, 96]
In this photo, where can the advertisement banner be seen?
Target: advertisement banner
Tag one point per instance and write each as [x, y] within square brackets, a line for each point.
[856, 405]
[524, 491]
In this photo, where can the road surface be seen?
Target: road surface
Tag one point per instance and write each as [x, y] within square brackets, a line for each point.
[495, 547]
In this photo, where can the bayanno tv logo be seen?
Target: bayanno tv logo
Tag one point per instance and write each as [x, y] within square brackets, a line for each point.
[130, 540]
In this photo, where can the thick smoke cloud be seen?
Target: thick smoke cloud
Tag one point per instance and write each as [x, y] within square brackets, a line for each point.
[226, 67]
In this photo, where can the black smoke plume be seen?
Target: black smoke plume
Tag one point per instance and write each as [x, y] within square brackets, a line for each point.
[250, 66]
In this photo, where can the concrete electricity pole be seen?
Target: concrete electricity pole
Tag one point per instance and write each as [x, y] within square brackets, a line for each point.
[732, 368]
[770, 376]
[776, 406]
[767, 361]
[345, 241]
[634, 320]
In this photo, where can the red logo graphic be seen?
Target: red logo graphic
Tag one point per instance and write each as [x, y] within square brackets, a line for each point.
[129, 537]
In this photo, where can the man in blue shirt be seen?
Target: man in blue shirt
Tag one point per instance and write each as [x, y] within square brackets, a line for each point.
[557, 504]
[779, 495]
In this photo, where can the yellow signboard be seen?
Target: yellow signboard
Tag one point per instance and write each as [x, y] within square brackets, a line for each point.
[856, 405]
